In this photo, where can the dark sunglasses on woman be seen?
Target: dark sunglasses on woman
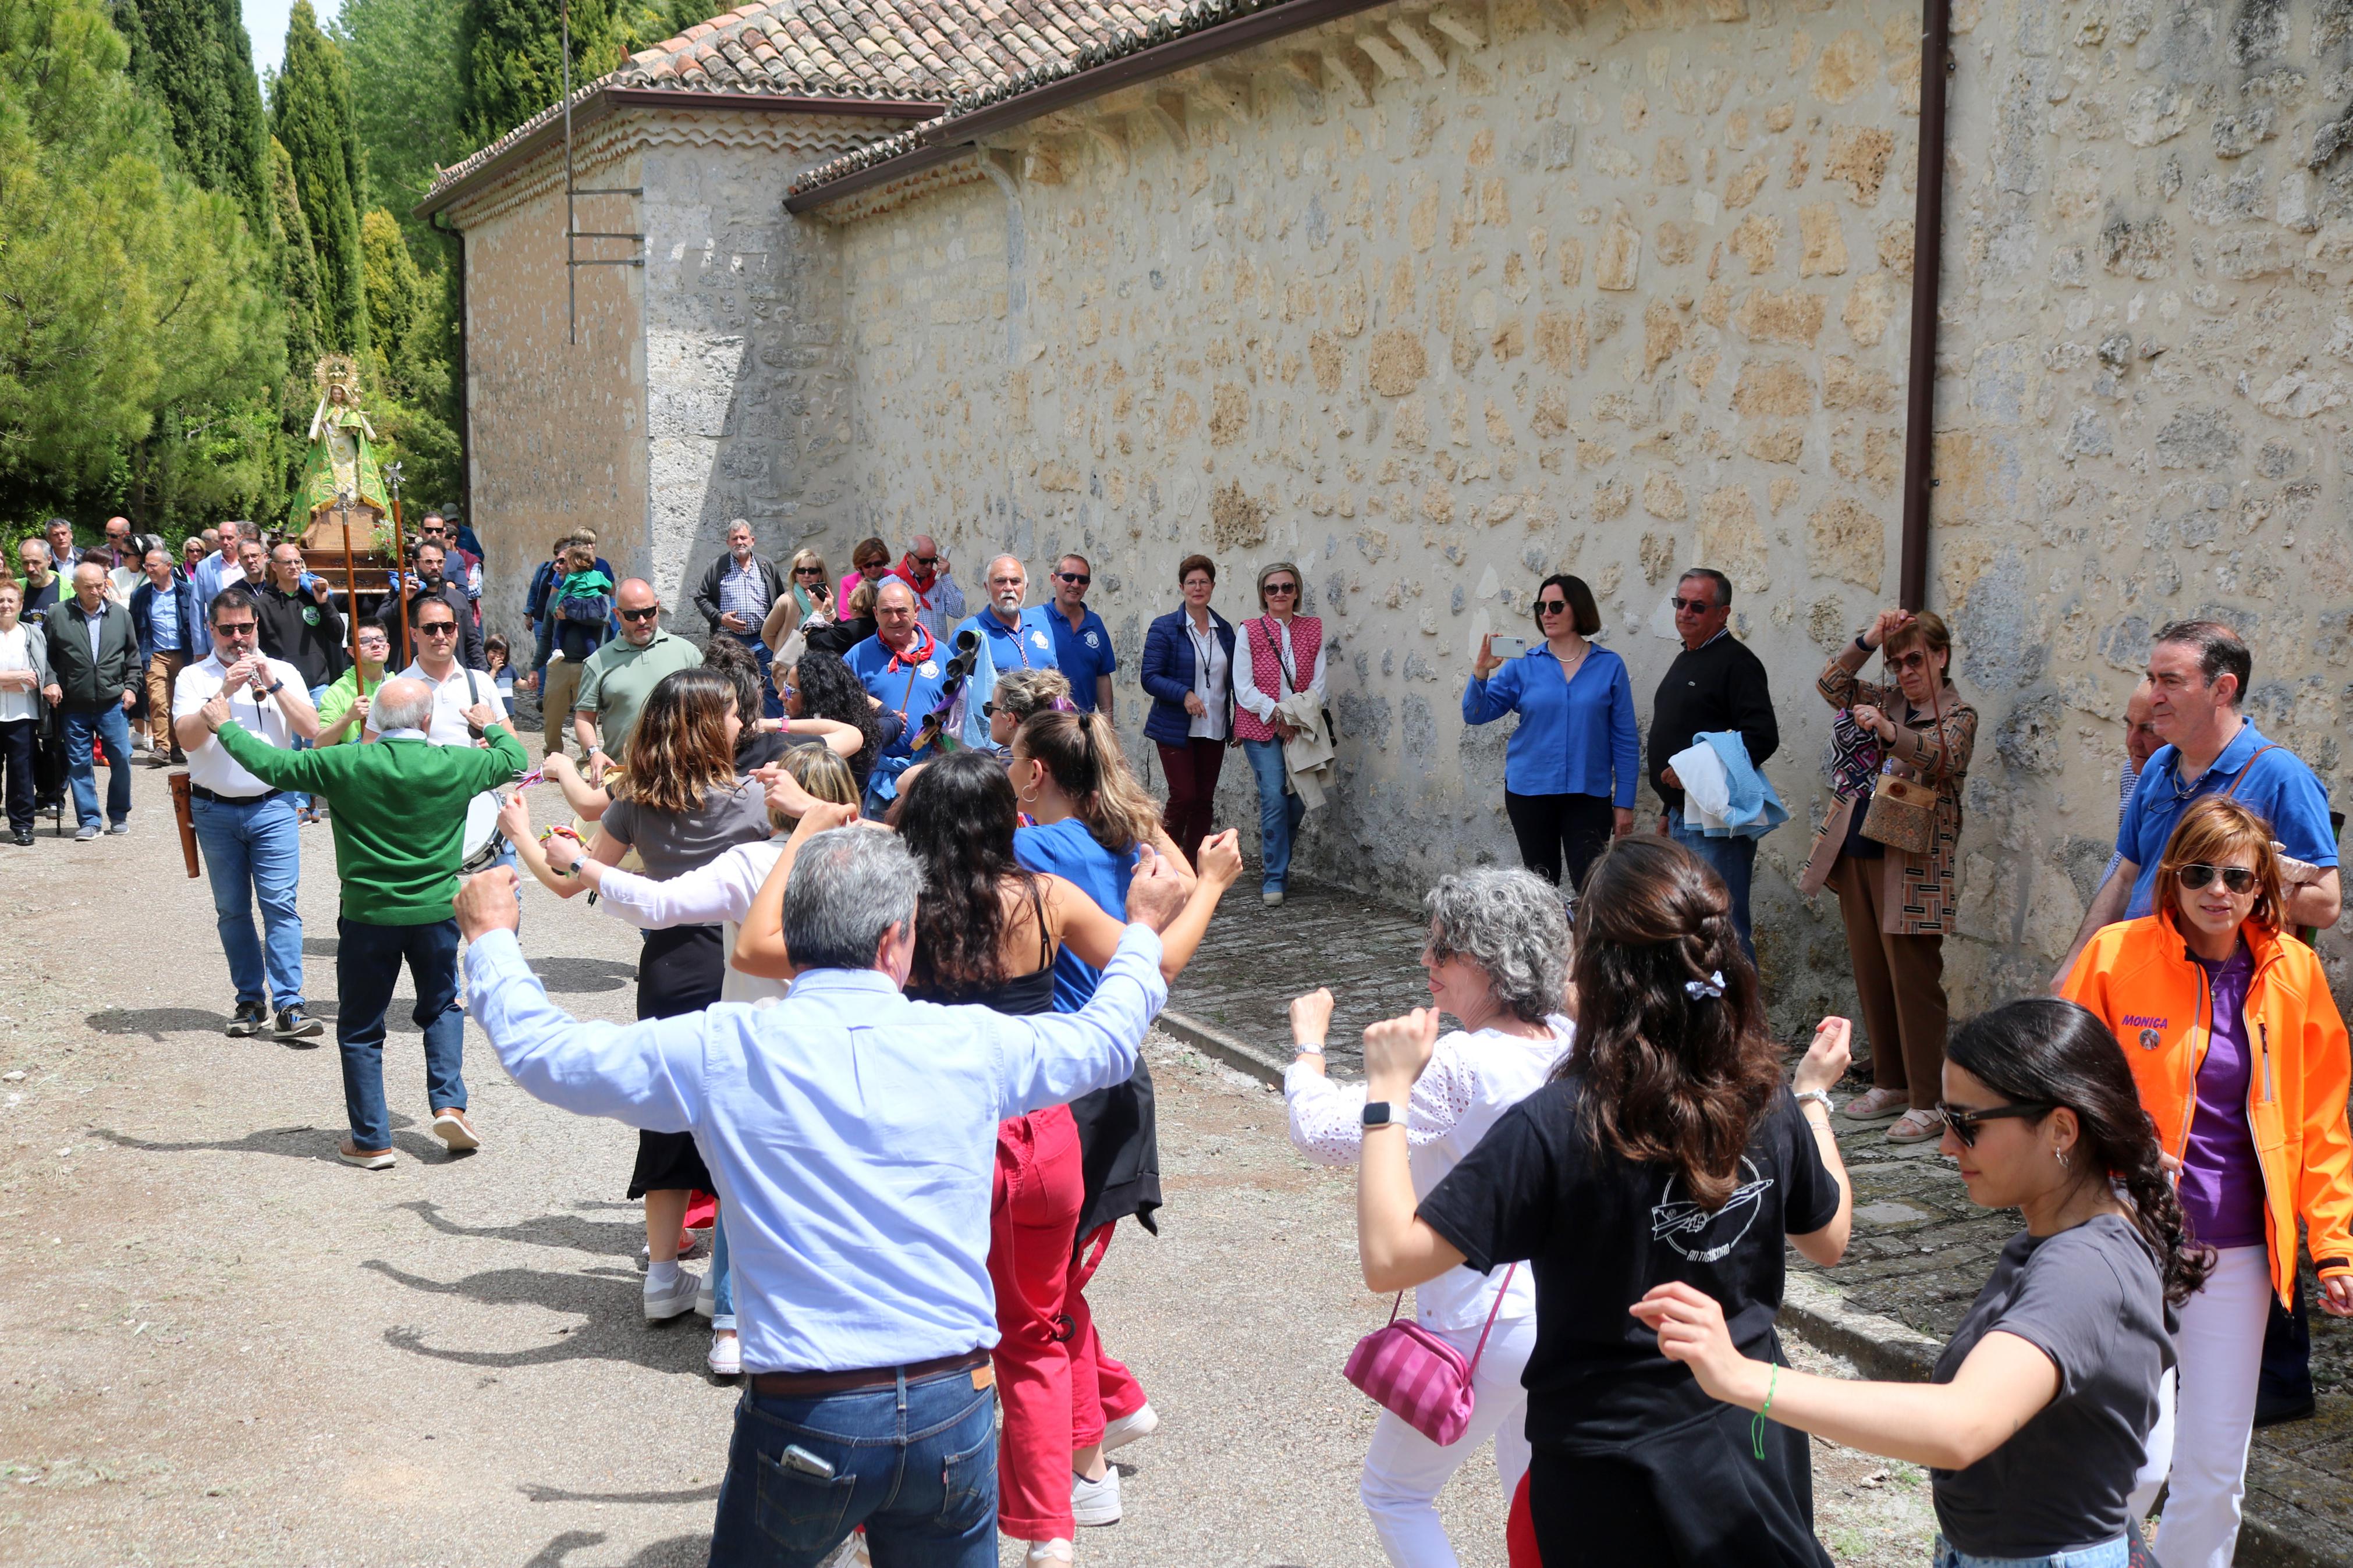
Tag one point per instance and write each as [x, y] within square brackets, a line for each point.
[1964, 1121]
[2197, 874]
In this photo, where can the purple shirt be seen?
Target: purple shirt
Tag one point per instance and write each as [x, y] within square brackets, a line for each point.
[2221, 1185]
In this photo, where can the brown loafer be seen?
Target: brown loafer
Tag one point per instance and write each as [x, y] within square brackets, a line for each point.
[351, 1153]
[450, 1126]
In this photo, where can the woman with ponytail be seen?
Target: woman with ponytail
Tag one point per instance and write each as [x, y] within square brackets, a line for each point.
[2035, 1423]
[2240, 1057]
[1093, 821]
[1666, 1148]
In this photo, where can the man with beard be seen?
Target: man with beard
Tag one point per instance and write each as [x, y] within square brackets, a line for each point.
[429, 585]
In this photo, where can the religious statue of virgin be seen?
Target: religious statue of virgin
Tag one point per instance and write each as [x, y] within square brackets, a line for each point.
[342, 462]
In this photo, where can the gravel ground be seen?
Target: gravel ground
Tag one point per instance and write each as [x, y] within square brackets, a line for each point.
[224, 1347]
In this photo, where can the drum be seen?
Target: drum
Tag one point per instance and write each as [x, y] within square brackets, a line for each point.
[483, 842]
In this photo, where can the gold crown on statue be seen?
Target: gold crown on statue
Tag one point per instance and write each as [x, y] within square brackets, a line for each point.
[336, 369]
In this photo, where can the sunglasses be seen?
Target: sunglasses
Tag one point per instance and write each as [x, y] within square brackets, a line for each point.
[439, 630]
[2197, 874]
[927, 560]
[988, 710]
[1915, 659]
[1284, 588]
[1080, 578]
[648, 614]
[1964, 1121]
[809, 570]
[1552, 607]
[234, 629]
[1696, 606]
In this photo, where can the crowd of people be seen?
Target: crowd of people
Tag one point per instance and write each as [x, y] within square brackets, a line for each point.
[907, 912]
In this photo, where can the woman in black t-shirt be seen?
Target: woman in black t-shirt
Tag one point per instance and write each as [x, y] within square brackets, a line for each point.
[2034, 1425]
[1665, 1148]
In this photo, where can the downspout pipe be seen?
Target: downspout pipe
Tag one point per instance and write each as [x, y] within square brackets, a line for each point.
[1927, 253]
[436, 221]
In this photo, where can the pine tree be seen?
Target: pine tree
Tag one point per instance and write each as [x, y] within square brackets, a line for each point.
[193, 59]
[312, 116]
[514, 58]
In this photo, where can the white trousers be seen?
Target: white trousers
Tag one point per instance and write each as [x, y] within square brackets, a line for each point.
[1404, 1471]
[2206, 1413]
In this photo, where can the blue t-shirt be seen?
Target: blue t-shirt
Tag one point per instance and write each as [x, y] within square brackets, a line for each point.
[1083, 655]
[2278, 788]
[1028, 644]
[1066, 849]
[912, 694]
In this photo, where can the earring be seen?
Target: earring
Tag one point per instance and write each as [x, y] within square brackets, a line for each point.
[2062, 1159]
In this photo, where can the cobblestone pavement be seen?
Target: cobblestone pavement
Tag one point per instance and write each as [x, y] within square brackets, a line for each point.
[222, 1347]
[1921, 1248]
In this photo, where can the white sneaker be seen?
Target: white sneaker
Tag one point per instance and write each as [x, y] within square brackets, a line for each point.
[726, 1354]
[663, 1305]
[1095, 1502]
[1128, 1429]
[1046, 1553]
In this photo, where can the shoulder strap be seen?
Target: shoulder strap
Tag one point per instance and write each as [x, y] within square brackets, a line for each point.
[1501, 1291]
[2235, 783]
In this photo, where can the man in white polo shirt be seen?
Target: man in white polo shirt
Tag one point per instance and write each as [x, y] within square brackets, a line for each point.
[252, 846]
[455, 687]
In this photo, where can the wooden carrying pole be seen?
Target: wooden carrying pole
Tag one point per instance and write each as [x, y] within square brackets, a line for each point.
[399, 561]
[351, 593]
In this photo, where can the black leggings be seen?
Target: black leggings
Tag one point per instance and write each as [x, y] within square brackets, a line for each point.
[1558, 831]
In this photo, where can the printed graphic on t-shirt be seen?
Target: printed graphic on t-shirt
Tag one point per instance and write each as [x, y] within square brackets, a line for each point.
[1701, 1236]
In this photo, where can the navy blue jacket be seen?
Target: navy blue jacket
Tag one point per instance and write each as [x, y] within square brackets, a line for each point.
[1169, 675]
[194, 638]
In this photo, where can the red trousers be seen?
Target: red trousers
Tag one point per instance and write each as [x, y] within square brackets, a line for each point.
[1033, 1222]
[1101, 1390]
[1192, 769]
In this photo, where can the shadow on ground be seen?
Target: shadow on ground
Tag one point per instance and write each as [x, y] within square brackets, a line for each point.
[619, 1239]
[677, 1551]
[291, 1143]
[614, 1330]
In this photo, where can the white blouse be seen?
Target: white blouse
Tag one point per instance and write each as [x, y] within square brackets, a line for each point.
[718, 891]
[16, 653]
[1472, 1080]
[1209, 675]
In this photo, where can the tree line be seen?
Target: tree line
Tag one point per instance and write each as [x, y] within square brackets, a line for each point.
[181, 240]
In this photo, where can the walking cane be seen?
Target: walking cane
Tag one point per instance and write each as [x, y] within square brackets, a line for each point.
[399, 549]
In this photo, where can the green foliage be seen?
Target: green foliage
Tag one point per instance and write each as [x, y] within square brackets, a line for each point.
[411, 336]
[514, 58]
[298, 286]
[192, 59]
[407, 85]
[642, 23]
[137, 353]
[311, 114]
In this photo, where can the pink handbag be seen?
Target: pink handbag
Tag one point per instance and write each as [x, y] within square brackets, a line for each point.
[1418, 1377]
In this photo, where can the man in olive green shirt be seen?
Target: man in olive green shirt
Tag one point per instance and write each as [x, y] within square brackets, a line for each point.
[343, 711]
[399, 824]
[618, 676]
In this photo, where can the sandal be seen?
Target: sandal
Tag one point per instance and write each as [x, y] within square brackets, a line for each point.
[1916, 1126]
[1877, 1105]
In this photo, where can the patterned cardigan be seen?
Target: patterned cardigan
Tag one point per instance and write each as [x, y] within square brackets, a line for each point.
[1917, 893]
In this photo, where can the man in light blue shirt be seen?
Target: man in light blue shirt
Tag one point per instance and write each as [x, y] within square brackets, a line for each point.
[853, 1136]
[1011, 638]
[216, 570]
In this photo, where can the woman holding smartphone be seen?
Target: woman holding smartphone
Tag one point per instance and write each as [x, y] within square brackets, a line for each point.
[1570, 768]
[2034, 1422]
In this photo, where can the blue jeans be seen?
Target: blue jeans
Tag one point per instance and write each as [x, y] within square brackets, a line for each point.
[915, 1464]
[1733, 859]
[110, 725]
[771, 705]
[1278, 812]
[367, 963]
[303, 801]
[722, 1282]
[253, 850]
[2115, 1553]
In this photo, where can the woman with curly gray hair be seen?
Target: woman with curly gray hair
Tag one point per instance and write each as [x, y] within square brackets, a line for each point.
[1498, 960]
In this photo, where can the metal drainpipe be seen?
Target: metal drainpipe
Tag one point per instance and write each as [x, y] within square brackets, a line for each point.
[1928, 247]
[465, 419]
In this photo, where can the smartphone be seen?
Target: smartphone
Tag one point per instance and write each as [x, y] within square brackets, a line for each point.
[1508, 647]
[797, 1457]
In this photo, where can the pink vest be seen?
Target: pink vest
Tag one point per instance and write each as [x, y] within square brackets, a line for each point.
[1266, 667]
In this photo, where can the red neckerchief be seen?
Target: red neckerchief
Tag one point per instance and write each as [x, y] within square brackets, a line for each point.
[922, 650]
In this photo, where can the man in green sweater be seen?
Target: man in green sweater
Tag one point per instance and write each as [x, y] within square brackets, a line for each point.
[399, 823]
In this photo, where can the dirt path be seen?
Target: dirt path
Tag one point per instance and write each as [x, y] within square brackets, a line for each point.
[224, 1347]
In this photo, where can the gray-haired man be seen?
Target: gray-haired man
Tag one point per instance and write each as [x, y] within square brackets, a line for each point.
[852, 1135]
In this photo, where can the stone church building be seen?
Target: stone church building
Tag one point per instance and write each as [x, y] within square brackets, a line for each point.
[1437, 300]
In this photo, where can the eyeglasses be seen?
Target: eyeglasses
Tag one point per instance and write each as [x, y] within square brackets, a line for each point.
[648, 614]
[1080, 578]
[2197, 874]
[1915, 659]
[809, 570]
[1964, 1121]
[1285, 589]
[927, 560]
[232, 629]
[1696, 606]
[439, 630]
[988, 710]
[1552, 607]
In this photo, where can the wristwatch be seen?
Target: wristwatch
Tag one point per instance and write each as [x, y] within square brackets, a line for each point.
[1380, 1113]
[274, 687]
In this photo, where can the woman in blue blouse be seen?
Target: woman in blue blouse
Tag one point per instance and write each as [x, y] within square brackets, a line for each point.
[1570, 768]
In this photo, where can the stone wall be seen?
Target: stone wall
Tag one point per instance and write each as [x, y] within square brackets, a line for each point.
[1437, 302]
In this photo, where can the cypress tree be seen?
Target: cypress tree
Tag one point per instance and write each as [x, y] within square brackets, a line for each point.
[193, 59]
[298, 276]
[312, 116]
[514, 58]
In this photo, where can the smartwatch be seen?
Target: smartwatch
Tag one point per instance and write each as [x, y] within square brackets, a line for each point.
[1379, 1113]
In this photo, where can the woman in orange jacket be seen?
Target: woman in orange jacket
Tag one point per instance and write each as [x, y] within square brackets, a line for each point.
[2241, 1061]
